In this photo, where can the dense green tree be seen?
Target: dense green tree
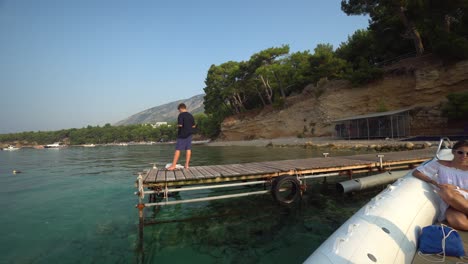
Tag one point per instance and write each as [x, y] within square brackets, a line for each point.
[268, 70]
[385, 12]
[220, 90]
[457, 106]
[95, 135]
[427, 24]
[298, 69]
[362, 44]
[207, 125]
[325, 64]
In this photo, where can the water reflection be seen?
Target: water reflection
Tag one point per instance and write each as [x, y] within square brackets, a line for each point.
[76, 205]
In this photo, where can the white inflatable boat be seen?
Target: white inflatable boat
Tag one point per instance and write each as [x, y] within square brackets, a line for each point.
[386, 229]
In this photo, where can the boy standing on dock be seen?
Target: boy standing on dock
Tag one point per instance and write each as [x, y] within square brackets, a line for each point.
[185, 126]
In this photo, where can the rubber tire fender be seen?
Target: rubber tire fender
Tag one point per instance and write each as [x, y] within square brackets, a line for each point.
[294, 197]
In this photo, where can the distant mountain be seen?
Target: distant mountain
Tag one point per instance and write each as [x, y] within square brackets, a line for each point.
[165, 113]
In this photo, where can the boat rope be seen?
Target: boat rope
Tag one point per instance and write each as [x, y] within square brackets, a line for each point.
[302, 183]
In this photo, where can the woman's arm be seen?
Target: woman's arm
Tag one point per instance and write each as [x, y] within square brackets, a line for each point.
[424, 177]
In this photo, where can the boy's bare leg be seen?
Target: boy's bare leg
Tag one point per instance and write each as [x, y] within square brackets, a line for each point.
[188, 155]
[174, 161]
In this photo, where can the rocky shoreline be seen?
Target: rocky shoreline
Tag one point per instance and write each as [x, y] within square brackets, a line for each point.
[329, 143]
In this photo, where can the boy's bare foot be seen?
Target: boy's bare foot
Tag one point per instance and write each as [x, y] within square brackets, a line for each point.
[171, 168]
[186, 167]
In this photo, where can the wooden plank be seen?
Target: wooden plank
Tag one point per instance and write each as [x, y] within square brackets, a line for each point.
[291, 164]
[170, 176]
[151, 175]
[395, 156]
[205, 173]
[256, 168]
[268, 168]
[277, 165]
[211, 169]
[145, 175]
[161, 177]
[226, 171]
[188, 174]
[335, 162]
[179, 175]
[196, 173]
[239, 168]
[208, 172]
[319, 163]
[263, 167]
[304, 164]
[245, 169]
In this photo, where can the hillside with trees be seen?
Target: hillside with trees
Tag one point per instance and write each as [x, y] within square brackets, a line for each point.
[397, 29]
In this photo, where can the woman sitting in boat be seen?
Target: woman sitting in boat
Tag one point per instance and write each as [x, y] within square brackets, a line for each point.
[451, 180]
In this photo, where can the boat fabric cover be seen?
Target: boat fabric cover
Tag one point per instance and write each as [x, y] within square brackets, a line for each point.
[441, 239]
[386, 229]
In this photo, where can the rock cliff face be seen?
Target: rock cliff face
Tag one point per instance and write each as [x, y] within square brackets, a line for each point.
[422, 83]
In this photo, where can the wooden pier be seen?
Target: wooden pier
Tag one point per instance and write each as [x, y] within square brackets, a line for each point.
[157, 177]
[159, 183]
[286, 180]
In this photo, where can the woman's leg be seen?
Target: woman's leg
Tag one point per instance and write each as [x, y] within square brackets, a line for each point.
[454, 198]
[456, 219]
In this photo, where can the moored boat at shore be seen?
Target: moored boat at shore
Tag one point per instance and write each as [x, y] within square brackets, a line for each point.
[387, 228]
[11, 148]
[201, 142]
[56, 145]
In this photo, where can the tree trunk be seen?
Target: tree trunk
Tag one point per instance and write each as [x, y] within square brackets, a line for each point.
[239, 101]
[234, 105]
[280, 85]
[412, 32]
[447, 23]
[260, 95]
[268, 90]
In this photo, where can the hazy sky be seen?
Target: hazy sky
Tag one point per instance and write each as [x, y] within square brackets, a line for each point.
[68, 63]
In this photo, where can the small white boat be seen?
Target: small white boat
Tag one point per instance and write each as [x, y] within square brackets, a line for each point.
[201, 142]
[89, 145]
[11, 148]
[386, 229]
[55, 145]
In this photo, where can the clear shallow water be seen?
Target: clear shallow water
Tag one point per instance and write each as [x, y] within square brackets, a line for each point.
[76, 205]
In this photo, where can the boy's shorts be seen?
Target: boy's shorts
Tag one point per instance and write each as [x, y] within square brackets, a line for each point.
[184, 143]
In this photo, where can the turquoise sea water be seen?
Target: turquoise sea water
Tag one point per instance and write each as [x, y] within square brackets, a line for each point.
[76, 205]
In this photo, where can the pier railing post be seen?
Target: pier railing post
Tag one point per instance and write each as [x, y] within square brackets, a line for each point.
[141, 207]
[380, 156]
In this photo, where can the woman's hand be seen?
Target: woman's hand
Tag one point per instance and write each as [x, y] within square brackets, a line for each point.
[448, 186]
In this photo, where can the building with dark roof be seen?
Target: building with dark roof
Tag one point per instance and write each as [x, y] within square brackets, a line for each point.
[391, 124]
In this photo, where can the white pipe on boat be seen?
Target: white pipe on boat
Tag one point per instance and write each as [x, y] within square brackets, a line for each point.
[370, 181]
